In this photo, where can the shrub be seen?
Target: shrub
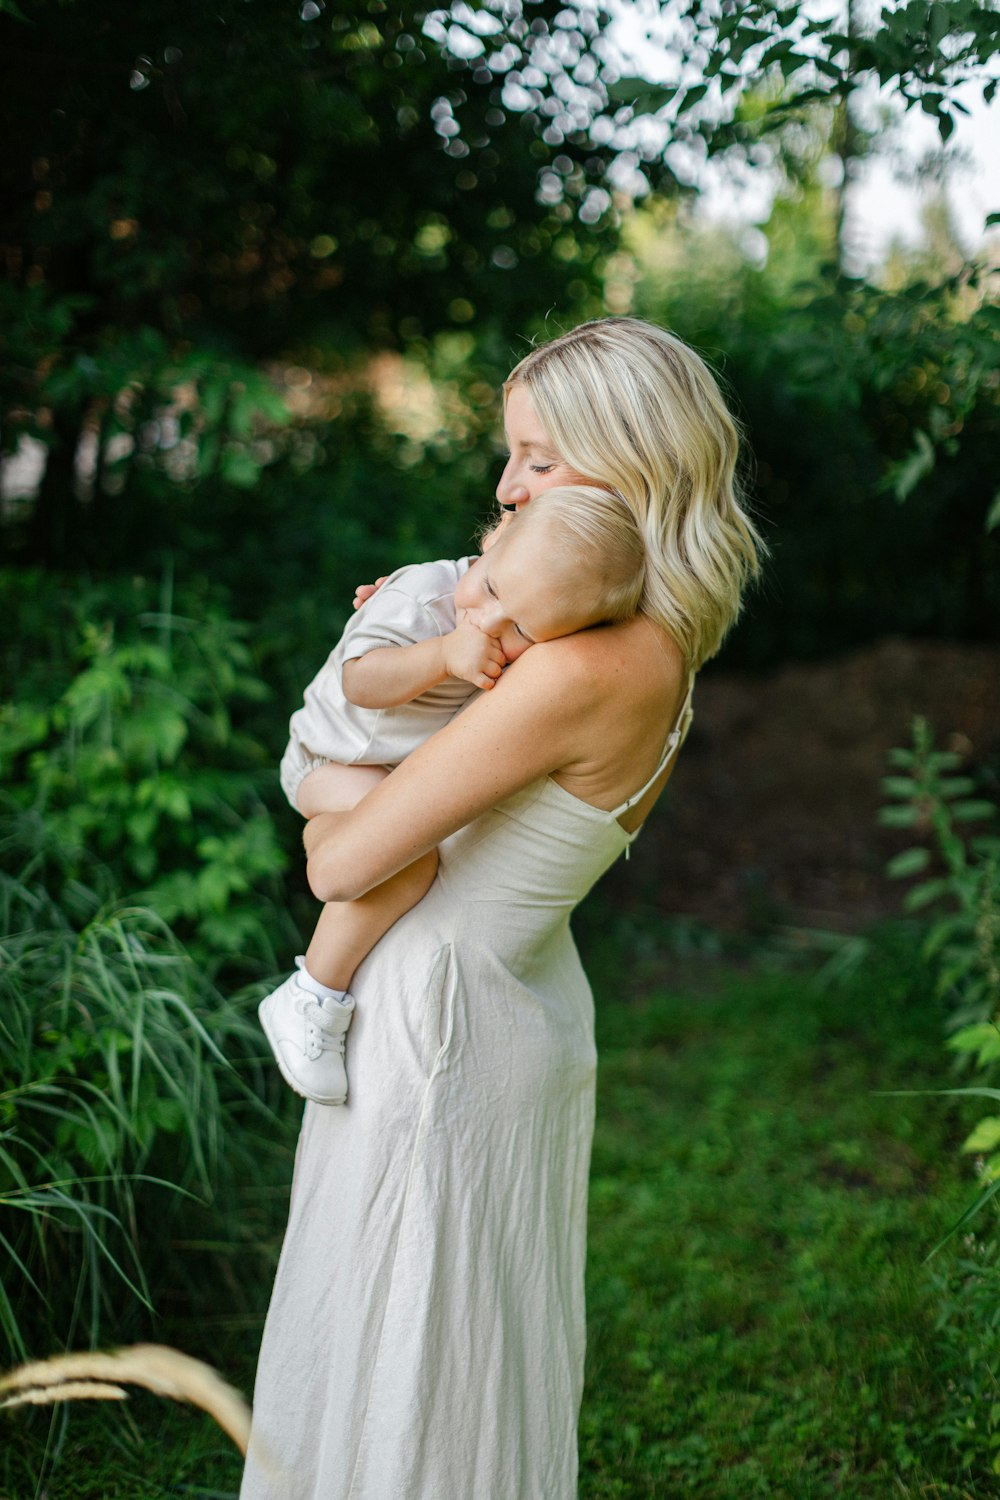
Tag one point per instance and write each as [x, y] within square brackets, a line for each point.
[133, 756]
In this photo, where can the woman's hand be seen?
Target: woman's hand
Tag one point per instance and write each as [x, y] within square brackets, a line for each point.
[364, 591]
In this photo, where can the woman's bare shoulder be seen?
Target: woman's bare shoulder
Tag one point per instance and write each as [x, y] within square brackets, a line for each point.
[636, 650]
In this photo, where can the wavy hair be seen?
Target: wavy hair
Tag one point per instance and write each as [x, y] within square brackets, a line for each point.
[639, 413]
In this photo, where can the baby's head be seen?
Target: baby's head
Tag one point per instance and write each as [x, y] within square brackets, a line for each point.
[572, 558]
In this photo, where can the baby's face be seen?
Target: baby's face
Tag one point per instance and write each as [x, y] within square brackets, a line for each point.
[511, 594]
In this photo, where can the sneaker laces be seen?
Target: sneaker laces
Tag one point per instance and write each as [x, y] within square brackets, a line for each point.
[322, 1035]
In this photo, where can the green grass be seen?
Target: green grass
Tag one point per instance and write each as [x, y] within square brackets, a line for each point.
[761, 1323]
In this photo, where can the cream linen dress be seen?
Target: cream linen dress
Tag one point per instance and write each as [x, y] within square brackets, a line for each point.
[425, 1338]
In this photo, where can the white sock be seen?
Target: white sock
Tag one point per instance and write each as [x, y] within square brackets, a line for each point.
[323, 992]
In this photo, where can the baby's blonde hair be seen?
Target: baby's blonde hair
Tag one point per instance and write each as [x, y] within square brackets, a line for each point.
[640, 414]
[592, 539]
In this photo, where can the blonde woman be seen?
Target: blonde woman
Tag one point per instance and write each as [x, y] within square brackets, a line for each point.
[425, 1338]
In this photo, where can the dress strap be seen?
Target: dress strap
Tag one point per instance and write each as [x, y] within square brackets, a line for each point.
[674, 741]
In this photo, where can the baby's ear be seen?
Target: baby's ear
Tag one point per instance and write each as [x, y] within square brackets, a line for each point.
[492, 536]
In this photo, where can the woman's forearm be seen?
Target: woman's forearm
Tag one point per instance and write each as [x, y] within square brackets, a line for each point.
[523, 729]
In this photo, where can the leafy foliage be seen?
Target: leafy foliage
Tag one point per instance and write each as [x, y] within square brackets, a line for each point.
[962, 943]
[195, 192]
[967, 1347]
[136, 762]
[871, 412]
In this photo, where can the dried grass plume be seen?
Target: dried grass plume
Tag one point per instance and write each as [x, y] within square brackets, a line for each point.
[100, 1376]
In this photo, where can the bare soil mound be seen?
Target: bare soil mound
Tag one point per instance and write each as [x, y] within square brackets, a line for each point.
[771, 813]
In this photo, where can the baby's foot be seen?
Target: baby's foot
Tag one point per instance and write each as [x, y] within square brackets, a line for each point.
[307, 1038]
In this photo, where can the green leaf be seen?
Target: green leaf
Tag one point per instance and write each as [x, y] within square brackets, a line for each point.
[239, 469]
[993, 514]
[983, 1039]
[955, 786]
[985, 1136]
[908, 474]
[973, 810]
[909, 862]
[899, 786]
[695, 95]
[924, 894]
[898, 817]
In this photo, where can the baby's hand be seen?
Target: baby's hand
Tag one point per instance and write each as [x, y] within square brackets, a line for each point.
[472, 655]
[364, 591]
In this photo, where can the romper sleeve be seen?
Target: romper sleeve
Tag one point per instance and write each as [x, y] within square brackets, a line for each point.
[415, 604]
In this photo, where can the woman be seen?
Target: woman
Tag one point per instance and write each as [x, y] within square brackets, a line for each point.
[425, 1338]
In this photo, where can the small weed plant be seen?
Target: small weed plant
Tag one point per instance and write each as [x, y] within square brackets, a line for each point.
[960, 890]
[962, 882]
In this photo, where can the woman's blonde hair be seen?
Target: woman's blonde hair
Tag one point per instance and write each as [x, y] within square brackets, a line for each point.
[638, 413]
[597, 550]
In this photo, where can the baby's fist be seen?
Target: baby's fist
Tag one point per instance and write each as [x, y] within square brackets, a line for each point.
[473, 656]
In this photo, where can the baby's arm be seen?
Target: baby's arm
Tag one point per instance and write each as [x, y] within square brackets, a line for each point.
[391, 675]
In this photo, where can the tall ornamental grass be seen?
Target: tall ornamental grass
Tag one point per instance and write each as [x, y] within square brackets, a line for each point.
[126, 1083]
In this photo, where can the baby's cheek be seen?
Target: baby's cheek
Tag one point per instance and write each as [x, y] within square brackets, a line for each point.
[514, 648]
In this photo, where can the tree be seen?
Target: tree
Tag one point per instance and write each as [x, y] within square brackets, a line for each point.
[196, 191]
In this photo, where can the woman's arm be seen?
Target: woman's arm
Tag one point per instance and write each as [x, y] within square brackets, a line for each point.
[527, 727]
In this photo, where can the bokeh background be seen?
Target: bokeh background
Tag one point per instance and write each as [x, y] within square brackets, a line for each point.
[266, 267]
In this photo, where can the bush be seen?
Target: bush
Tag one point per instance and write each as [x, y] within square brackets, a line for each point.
[126, 751]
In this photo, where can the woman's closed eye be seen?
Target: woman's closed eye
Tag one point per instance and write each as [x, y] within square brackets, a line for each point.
[541, 468]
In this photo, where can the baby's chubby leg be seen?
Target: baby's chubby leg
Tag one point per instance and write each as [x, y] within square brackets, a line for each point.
[307, 1017]
[336, 788]
[347, 931]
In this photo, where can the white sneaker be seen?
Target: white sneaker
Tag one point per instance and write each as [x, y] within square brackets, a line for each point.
[307, 1040]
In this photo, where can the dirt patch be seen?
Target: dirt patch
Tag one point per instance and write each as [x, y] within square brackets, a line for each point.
[771, 813]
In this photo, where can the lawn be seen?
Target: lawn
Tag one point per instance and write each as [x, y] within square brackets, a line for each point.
[761, 1322]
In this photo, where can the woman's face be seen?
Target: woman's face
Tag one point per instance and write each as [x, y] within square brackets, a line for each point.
[533, 465]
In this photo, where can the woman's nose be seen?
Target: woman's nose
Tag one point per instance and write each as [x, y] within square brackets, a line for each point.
[505, 483]
[510, 489]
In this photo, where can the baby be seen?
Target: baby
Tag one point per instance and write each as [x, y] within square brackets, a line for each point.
[433, 636]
